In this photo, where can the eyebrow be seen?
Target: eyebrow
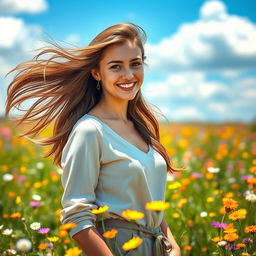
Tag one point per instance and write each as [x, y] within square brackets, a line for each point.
[119, 61]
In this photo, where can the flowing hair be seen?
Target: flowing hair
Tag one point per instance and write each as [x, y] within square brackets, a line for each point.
[66, 90]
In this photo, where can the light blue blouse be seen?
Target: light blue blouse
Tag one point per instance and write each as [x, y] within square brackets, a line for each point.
[102, 168]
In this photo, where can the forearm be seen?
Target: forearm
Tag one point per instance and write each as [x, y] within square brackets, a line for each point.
[166, 230]
[91, 242]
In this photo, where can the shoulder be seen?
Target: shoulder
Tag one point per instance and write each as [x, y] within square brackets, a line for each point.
[87, 127]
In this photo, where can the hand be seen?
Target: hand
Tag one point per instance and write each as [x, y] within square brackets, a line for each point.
[175, 252]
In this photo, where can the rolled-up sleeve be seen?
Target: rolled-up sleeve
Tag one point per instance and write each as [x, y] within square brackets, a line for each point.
[80, 162]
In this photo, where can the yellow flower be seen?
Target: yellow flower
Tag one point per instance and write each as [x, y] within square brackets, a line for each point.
[157, 205]
[175, 215]
[132, 215]
[132, 243]
[238, 215]
[216, 239]
[174, 185]
[53, 239]
[100, 210]
[75, 251]
[110, 233]
[18, 200]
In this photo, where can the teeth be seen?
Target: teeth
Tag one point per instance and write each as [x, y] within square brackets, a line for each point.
[126, 85]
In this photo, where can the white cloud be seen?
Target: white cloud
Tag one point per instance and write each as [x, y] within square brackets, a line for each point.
[73, 39]
[191, 96]
[213, 10]
[22, 6]
[182, 114]
[185, 85]
[217, 41]
[17, 40]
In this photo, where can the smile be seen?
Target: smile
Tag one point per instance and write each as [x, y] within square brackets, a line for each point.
[126, 86]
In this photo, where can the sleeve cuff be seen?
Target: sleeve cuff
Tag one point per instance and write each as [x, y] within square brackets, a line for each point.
[80, 226]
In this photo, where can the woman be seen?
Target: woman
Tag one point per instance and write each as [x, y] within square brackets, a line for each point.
[106, 139]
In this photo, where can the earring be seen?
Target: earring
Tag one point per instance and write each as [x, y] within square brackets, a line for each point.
[98, 85]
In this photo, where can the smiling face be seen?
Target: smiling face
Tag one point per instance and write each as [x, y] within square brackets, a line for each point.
[121, 71]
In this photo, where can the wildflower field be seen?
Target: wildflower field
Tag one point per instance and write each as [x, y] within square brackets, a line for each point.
[211, 205]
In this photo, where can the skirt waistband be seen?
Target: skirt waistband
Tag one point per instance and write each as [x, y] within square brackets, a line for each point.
[161, 244]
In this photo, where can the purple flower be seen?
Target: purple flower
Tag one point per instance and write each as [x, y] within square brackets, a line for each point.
[49, 244]
[246, 177]
[231, 247]
[34, 204]
[217, 224]
[247, 240]
[43, 230]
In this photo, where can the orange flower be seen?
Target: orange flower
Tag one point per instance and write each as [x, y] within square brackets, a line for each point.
[42, 246]
[230, 237]
[67, 226]
[15, 215]
[67, 241]
[110, 233]
[241, 245]
[187, 248]
[250, 229]
[62, 233]
[251, 180]
[229, 204]
[230, 228]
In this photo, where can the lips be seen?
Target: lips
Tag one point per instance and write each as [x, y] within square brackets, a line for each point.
[127, 86]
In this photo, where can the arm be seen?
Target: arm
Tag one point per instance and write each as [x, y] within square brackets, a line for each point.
[81, 166]
[91, 243]
[166, 230]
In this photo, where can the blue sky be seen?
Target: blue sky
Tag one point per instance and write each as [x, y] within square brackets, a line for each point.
[201, 54]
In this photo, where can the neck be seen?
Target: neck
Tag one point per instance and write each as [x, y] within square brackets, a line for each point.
[113, 109]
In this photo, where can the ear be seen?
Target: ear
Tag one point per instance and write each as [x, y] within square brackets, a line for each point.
[96, 74]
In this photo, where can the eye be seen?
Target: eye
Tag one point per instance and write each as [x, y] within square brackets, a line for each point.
[114, 66]
[137, 64]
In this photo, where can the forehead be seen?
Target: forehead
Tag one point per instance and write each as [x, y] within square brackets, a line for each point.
[121, 51]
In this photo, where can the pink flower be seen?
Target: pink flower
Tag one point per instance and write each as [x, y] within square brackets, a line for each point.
[34, 204]
[43, 230]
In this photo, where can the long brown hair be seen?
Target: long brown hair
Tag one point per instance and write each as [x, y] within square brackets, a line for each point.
[67, 90]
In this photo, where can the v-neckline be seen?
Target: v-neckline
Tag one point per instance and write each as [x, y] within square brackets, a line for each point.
[116, 134]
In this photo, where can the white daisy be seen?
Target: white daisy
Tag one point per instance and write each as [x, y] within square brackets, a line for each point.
[40, 165]
[250, 197]
[222, 243]
[7, 232]
[36, 197]
[203, 214]
[35, 225]
[213, 169]
[7, 177]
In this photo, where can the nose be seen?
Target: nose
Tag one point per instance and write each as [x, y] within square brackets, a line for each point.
[128, 74]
